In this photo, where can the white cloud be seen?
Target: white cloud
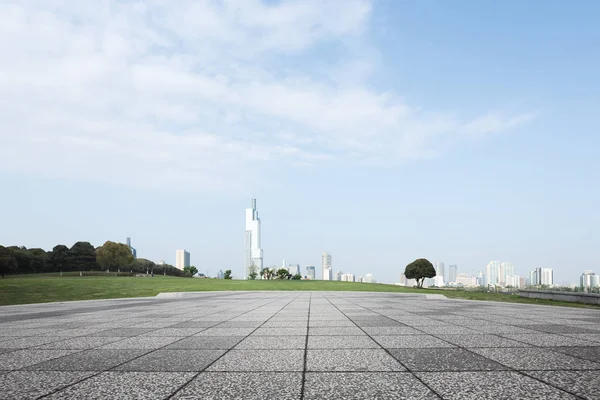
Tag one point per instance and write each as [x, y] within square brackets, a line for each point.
[196, 91]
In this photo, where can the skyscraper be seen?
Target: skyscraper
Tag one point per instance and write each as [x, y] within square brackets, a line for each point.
[440, 271]
[182, 259]
[311, 272]
[541, 276]
[327, 273]
[491, 273]
[254, 253]
[506, 269]
[133, 251]
[452, 270]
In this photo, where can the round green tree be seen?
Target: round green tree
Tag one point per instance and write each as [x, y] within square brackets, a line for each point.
[419, 270]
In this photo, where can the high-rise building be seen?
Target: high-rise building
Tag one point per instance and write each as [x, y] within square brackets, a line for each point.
[481, 279]
[347, 278]
[506, 269]
[182, 259]
[254, 253]
[368, 278]
[440, 271]
[311, 272]
[338, 276]
[491, 273]
[589, 280]
[133, 251]
[513, 281]
[220, 274]
[452, 271]
[293, 269]
[327, 273]
[541, 276]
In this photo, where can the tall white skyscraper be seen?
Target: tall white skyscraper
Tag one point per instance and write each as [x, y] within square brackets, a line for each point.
[326, 267]
[311, 272]
[254, 253]
[506, 269]
[452, 271]
[440, 270]
[182, 259]
[547, 276]
[492, 272]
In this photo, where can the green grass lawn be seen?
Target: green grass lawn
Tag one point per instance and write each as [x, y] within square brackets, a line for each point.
[44, 288]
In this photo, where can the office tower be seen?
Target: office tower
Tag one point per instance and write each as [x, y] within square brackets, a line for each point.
[452, 270]
[338, 276]
[294, 269]
[506, 269]
[547, 276]
[311, 272]
[369, 278]
[440, 271]
[133, 251]
[326, 267]
[254, 253]
[220, 274]
[589, 280]
[182, 259]
[513, 281]
[492, 272]
[481, 279]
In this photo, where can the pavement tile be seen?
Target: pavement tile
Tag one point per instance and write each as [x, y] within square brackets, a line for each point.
[206, 343]
[173, 361]
[581, 383]
[336, 322]
[225, 332]
[335, 331]
[173, 332]
[27, 342]
[550, 340]
[282, 332]
[443, 360]
[80, 343]
[142, 343]
[243, 385]
[411, 342]
[285, 324]
[586, 353]
[240, 324]
[489, 385]
[126, 385]
[592, 337]
[88, 360]
[33, 384]
[367, 386]
[341, 342]
[392, 330]
[271, 342]
[502, 329]
[195, 324]
[260, 360]
[23, 358]
[376, 322]
[530, 358]
[559, 329]
[351, 360]
[483, 340]
[448, 330]
[123, 332]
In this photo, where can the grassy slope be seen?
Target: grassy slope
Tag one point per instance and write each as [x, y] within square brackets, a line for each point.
[50, 287]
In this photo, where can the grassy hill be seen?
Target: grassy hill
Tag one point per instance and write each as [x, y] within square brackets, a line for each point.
[42, 288]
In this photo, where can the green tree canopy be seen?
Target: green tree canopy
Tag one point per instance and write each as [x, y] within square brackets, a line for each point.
[7, 261]
[282, 273]
[297, 277]
[227, 274]
[82, 256]
[252, 272]
[114, 255]
[419, 270]
[58, 259]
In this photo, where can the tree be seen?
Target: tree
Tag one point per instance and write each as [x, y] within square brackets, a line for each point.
[252, 272]
[227, 274]
[7, 261]
[191, 270]
[114, 255]
[82, 256]
[297, 277]
[58, 259]
[267, 273]
[283, 273]
[419, 270]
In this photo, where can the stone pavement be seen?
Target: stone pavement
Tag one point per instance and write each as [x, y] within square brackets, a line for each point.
[298, 345]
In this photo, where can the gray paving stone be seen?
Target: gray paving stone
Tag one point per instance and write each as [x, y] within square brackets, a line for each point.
[173, 361]
[281, 332]
[243, 385]
[142, 343]
[483, 340]
[123, 332]
[126, 385]
[367, 386]
[325, 323]
[351, 360]
[550, 340]
[559, 329]
[341, 342]
[392, 330]
[586, 353]
[173, 332]
[195, 324]
[33, 384]
[529, 358]
[23, 358]
[448, 330]
[335, 331]
[260, 360]
[271, 342]
[444, 360]
[411, 342]
[582, 383]
[79, 343]
[27, 342]
[225, 332]
[206, 343]
[88, 360]
[489, 385]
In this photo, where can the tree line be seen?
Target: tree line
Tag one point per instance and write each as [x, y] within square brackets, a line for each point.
[82, 257]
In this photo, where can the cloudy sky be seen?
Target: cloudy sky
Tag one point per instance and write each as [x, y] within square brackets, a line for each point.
[380, 131]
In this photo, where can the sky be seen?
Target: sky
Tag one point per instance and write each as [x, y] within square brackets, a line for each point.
[380, 131]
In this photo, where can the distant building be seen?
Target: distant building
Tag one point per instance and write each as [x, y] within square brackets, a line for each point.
[311, 272]
[514, 281]
[407, 282]
[440, 271]
[542, 276]
[338, 276]
[481, 279]
[327, 273]
[347, 278]
[452, 271]
[369, 278]
[589, 280]
[133, 251]
[360, 279]
[182, 259]
[506, 269]
[465, 280]
[254, 253]
[220, 274]
[293, 269]
[492, 272]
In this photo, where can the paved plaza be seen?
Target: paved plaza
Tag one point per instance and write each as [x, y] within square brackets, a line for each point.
[298, 345]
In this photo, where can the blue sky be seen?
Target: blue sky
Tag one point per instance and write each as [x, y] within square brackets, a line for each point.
[381, 131]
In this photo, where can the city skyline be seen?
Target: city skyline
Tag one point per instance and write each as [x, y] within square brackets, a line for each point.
[379, 131]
